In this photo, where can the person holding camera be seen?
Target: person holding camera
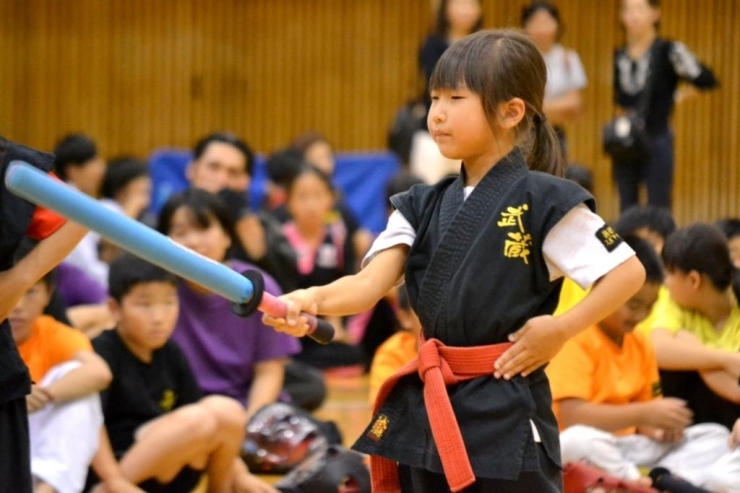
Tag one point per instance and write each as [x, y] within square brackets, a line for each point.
[647, 71]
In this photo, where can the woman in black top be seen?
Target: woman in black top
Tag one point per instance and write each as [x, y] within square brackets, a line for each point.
[662, 63]
[455, 19]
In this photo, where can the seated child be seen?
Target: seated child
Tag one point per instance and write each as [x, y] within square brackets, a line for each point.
[235, 356]
[398, 349]
[324, 253]
[606, 395]
[159, 434]
[316, 150]
[64, 406]
[651, 223]
[696, 331]
[78, 161]
[127, 187]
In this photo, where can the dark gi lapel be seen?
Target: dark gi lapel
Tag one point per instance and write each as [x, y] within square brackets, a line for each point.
[460, 221]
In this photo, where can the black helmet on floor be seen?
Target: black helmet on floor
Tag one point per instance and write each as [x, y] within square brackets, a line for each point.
[281, 436]
[334, 470]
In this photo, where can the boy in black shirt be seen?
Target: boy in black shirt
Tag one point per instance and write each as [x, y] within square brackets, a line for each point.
[160, 434]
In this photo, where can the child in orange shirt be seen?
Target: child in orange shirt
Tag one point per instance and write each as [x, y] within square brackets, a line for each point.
[606, 394]
[63, 406]
[398, 349]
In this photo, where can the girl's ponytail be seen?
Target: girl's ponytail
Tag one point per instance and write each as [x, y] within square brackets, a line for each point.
[545, 154]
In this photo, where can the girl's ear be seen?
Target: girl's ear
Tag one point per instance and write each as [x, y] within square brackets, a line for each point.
[511, 113]
[115, 309]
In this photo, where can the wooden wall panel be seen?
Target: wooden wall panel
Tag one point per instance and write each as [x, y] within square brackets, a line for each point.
[139, 74]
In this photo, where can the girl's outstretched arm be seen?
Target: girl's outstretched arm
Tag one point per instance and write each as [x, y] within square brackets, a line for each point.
[542, 337]
[345, 296]
[45, 256]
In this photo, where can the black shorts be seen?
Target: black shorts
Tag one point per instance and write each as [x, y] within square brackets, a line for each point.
[15, 448]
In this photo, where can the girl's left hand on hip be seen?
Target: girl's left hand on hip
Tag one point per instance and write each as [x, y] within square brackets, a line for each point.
[534, 345]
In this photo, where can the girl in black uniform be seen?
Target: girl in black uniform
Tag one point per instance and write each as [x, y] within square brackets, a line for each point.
[20, 218]
[483, 256]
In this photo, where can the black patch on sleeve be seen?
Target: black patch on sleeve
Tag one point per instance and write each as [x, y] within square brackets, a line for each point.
[608, 237]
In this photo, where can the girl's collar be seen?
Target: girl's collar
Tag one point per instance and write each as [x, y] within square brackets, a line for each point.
[514, 159]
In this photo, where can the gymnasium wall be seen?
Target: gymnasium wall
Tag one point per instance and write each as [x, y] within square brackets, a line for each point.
[139, 74]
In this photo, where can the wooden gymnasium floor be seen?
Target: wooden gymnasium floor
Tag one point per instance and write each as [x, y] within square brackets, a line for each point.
[347, 405]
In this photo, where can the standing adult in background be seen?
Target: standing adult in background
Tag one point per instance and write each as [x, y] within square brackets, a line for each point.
[455, 20]
[565, 75]
[647, 59]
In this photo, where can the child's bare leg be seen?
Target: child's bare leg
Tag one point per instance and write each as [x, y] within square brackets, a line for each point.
[232, 421]
[184, 437]
[205, 436]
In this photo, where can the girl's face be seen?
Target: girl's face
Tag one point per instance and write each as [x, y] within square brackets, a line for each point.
[543, 29]
[321, 155]
[310, 200]
[463, 15]
[212, 241]
[459, 125]
[682, 287]
[638, 16]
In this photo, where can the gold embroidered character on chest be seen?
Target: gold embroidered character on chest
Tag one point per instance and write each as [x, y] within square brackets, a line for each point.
[518, 243]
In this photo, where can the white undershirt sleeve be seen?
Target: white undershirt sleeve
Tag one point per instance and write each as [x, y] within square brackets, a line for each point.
[573, 249]
[398, 232]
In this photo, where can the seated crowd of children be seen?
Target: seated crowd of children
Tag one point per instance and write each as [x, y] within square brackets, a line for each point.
[152, 388]
[145, 382]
